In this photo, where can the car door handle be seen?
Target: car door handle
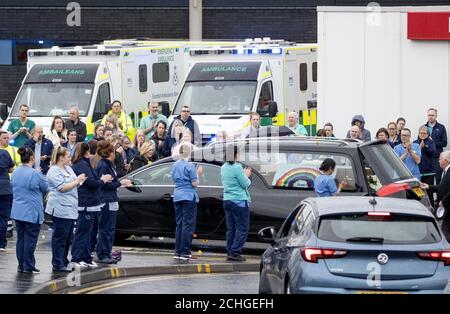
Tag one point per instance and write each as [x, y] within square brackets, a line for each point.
[167, 196]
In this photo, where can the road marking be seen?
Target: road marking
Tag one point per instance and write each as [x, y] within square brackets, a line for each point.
[126, 282]
[54, 287]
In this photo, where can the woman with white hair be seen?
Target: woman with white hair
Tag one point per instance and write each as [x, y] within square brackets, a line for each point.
[293, 124]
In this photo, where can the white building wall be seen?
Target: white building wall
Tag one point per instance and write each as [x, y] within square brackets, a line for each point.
[373, 69]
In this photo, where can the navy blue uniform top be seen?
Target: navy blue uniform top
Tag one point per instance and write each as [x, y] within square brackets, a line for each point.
[6, 163]
[109, 190]
[89, 194]
[426, 165]
[439, 136]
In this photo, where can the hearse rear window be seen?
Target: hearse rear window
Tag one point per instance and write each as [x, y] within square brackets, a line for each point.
[287, 170]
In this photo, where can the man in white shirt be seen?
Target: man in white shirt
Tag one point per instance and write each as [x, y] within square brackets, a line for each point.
[253, 127]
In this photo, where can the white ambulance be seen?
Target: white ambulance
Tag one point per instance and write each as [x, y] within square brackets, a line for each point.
[271, 77]
[132, 71]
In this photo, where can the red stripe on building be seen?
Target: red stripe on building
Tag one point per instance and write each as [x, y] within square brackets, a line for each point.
[429, 25]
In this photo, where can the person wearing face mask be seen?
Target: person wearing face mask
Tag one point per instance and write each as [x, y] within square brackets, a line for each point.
[29, 187]
[62, 205]
[42, 148]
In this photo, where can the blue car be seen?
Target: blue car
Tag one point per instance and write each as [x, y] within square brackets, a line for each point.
[362, 245]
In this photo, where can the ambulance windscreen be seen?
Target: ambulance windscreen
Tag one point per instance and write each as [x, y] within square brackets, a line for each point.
[47, 100]
[217, 97]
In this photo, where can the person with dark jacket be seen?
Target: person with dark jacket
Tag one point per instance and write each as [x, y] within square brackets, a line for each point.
[364, 134]
[439, 135]
[144, 157]
[158, 138]
[443, 192]
[173, 137]
[119, 161]
[6, 196]
[191, 124]
[42, 149]
[109, 197]
[89, 204]
[76, 124]
[426, 165]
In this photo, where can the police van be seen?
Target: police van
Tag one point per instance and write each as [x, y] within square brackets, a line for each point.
[271, 77]
[90, 77]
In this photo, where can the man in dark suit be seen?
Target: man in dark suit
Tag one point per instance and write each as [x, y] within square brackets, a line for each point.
[443, 191]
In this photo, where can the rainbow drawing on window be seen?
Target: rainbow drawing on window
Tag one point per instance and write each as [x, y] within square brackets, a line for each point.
[295, 177]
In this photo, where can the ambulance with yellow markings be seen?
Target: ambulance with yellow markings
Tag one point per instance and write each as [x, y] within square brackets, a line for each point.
[271, 77]
[91, 77]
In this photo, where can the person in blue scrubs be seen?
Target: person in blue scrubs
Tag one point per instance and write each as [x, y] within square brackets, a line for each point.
[185, 200]
[324, 184]
[62, 205]
[6, 167]
[29, 187]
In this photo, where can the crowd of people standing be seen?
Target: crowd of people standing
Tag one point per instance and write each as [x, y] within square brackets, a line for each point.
[79, 177]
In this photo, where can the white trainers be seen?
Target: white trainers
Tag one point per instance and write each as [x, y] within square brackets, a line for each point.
[2, 249]
[92, 264]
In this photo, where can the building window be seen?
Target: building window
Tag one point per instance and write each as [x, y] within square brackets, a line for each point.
[6, 52]
[143, 86]
[160, 72]
[314, 71]
[303, 77]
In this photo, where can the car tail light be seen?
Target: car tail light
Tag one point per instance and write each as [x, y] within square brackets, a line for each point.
[379, 214]
[441, 256]
[313, 254]
[393, 188]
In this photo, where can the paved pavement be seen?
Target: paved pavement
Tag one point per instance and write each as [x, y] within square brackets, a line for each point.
[142, 253]
[228, 283]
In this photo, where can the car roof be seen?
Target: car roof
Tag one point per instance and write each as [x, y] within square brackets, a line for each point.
[302, 141]
[354, 204]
